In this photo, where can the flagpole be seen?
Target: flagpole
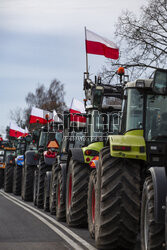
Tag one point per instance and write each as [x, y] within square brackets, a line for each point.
[87, 73]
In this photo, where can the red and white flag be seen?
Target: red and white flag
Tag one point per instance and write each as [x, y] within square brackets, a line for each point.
[26, 132]
[99, 45]
[77, 107]
[15, 130]
[40, 116]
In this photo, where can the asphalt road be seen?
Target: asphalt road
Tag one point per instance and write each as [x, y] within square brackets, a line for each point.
[24, 227]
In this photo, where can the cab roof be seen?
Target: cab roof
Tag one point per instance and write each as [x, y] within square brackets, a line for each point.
[147, 83]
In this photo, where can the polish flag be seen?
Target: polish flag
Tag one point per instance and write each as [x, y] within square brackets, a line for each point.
[39, 116]
[99, 45]
[15, 130]
[56, 118]
[77, 107]
[26, 132]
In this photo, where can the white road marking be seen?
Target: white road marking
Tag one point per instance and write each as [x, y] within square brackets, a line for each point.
[57, 231]
[75, 236]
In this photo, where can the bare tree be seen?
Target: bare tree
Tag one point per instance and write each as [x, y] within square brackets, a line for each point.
[49, 99]
[17, 115]
[142, 40]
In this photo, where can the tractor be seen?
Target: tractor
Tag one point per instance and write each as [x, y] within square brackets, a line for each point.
[73, 174]
[7, 157]
[55, 180]
[31, 160]
[136, 156]
[23, 144]
[49, 141]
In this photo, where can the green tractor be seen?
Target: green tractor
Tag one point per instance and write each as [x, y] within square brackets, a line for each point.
[123, 167]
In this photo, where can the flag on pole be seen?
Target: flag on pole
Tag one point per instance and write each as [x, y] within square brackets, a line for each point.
[99, 45]
[40, 116]
[15, 130]
[26, 132]
[77, 107]
[55, 117]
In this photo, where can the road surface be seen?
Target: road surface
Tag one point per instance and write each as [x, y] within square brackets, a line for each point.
[24, 227]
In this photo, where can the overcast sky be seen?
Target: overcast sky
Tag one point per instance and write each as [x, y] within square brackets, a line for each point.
[44, 39]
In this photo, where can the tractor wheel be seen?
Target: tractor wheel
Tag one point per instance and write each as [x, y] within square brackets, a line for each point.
[40, 184]
[152, 233]
[46, 192]
[8, 178]
[35, 187]
[17, 176]
[91, 203]
[76, 194]
[52, 203]
[1, 177]
[60, 196]
[27, 183]
[117, 202]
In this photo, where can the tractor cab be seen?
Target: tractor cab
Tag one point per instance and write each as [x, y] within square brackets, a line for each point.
[144, 110]
[102, 104]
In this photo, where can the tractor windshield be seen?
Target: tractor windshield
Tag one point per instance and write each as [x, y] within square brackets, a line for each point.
[134, 118]
[156, 118]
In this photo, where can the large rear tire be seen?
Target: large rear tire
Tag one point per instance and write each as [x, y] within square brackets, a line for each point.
[27, 182]
[40, 184]
[17, 178]
[8, 178]
[152, 233]
[91, 203]
[60, 196]
[76, 193]
[1, 177]
[117, 202]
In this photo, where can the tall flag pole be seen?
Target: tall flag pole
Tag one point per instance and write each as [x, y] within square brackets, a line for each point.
[87, 73]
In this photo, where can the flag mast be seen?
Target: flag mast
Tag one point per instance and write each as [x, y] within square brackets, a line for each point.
[87, 73]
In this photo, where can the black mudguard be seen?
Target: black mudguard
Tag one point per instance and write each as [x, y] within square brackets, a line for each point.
[10, 160]
[77, 154]
[160, 191]
[31, 158]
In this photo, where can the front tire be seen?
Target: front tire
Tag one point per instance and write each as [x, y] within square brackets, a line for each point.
[60, 196]
[17, 176]
[76, 194]
[1, 177]
[40, 184]
[27, 182]
[8, 178]
[152, 233]
[117, 202]
[52, 203]
[35, 187]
